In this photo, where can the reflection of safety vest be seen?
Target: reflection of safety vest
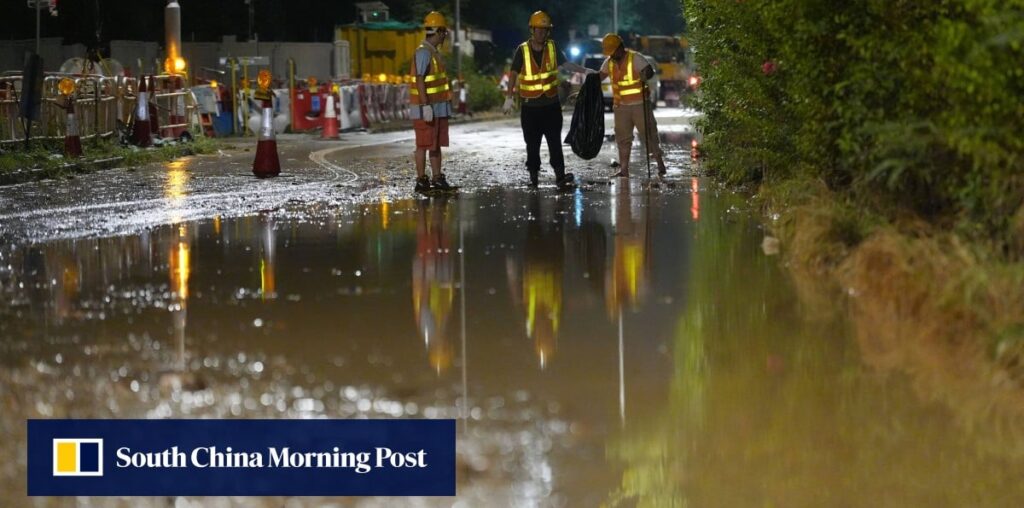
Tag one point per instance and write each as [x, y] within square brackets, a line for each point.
[627, 87]
[537, 81]
[436, 84]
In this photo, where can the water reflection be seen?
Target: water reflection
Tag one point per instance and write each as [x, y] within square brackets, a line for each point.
[675, 366]
[433, 281]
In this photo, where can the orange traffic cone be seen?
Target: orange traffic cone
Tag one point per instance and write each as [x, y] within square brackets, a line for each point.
[330, 119]
[141, 135]
[267, 163]
[72, 141]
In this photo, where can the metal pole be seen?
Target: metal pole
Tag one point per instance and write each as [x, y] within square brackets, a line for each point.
[38, 2]
[234, 96]
[615, 16]
[458, 39]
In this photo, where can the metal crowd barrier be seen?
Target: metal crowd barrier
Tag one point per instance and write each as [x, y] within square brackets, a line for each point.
[100, 103]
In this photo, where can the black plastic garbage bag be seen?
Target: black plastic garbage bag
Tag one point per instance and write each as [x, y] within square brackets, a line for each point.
[586, 132]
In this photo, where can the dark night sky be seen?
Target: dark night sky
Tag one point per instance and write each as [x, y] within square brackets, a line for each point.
[313, 20]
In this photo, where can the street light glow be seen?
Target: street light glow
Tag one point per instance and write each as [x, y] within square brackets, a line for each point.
[574, 51]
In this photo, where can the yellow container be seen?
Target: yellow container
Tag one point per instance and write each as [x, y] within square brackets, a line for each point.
[381, 48]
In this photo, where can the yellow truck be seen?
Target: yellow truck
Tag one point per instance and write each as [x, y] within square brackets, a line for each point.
[675, 65]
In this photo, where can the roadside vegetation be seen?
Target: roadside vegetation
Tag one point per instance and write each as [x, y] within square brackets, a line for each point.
[45, 159]
[884, 141]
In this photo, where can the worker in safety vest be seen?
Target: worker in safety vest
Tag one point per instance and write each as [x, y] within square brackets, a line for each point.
[536, 63]
[431, 105]
[628, 71]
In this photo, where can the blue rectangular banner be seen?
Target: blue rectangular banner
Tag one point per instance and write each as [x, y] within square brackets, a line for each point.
[241, 457]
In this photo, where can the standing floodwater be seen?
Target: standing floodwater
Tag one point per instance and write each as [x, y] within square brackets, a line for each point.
[613, 345]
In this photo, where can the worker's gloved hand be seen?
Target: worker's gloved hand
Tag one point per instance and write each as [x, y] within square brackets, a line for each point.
[428, 113]
[510, 103]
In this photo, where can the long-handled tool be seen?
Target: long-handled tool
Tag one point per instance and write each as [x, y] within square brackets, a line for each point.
[647, 130]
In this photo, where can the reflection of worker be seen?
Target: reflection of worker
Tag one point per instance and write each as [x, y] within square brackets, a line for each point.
[628, 71]
[627, 278]
[433, 282]
[538, 284]
[431, 104]
[536, 63]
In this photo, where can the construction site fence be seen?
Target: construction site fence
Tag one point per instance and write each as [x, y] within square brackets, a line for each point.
[358, 105]
[102, 105]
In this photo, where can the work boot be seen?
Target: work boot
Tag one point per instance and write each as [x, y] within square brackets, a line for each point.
[423, 184]
[534, 178]
[440, 183]
[565, 181]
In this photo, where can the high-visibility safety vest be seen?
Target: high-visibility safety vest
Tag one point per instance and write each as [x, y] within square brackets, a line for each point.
[542, 80]
[437, 87]
[627, 87]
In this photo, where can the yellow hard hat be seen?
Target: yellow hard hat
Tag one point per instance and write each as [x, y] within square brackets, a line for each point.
[435, 20]
[540, 19]
[610, 43]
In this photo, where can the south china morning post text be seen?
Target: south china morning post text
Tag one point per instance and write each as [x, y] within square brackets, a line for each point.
[406, 457]
[211, 457]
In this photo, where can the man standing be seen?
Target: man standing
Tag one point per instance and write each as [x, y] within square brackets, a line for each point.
[536, 63]
[431, 107]
[628, 71]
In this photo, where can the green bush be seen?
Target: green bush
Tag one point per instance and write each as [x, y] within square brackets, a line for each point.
[484, 94]
[897, 102]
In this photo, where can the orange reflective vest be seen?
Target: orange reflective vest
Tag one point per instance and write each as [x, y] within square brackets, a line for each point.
[435, 80]
[535, 80]
[627, 87]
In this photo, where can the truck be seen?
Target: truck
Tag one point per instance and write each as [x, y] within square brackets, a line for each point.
[676, 70]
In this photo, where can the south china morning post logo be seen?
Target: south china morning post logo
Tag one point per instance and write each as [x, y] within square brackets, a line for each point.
[361, 462]
[241, 457]
[77, 457]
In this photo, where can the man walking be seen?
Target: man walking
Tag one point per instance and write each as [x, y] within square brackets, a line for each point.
[536, 63]
[628, 71]
[431, 107]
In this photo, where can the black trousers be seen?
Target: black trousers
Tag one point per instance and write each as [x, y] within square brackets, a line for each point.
[543, 122]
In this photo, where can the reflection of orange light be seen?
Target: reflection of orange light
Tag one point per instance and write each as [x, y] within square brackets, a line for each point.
[542, 292]
[695, 195]
[216, 225]
[267, 283]
[384, 214]
[181, 269]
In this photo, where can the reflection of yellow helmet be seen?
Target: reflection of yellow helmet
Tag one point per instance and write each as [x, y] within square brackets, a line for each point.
[610, 43]
[435, 20]
[540, 19]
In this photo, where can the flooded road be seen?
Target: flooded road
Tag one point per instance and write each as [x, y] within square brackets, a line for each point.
[615, 346]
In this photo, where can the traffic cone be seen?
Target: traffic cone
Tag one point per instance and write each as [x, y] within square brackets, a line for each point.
[330, 119]
[72, 141]
[141, 134]
[267, 163]
[154, 113]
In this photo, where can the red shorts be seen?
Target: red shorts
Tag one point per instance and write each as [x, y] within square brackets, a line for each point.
[431, 135]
